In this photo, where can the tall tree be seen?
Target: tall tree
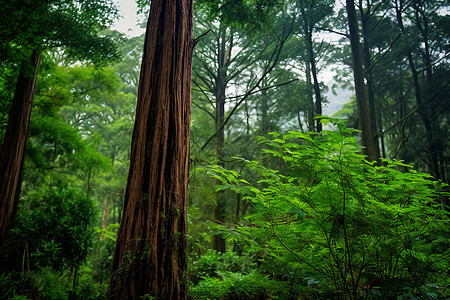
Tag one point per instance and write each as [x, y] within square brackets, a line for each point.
[314, 13]
[150, 258]
[224, 58]
[368, 17]
[28, 28]
[367, 136]
[13, 148]
[399, 6]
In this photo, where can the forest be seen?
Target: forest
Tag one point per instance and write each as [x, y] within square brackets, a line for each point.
[211, 157]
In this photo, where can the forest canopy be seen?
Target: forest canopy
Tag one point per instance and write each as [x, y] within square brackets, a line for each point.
[125, 172]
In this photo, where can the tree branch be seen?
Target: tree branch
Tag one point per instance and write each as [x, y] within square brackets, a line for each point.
[271, 65]
[263, 89]
[332, 31]
[197, 39]
[413, 111]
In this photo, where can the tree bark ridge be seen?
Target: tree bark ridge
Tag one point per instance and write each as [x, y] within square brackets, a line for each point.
[13, 148]
[150, 254]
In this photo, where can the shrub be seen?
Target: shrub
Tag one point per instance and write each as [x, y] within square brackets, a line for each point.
[103, 253]
[47, 245]
[230, 276]
[57, 232]
[236, 286]
[349, 228]
[213, 263]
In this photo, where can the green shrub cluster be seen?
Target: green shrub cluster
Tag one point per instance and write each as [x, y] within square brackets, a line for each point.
[339, 227]
[54, 251]
[230, 276]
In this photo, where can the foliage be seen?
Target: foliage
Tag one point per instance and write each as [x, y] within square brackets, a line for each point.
[236, 286]
[57, 232]
[212, 264]
[92, 278]
[73, 25]
[103, 253]
[55, 285]
[80, 132]
[348, 227]
[290, 233]
[252, 14]
[11, 285]
[229, 276]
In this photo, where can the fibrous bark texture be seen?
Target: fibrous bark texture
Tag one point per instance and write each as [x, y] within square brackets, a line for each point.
[150, 257]
[13, 148]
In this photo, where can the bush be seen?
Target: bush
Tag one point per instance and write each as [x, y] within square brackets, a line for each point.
[349, 228]
[57, 232]
[47, 245]
[213, 263]
[236, 286]
[103, 253]
[59, 285]
[229, 276]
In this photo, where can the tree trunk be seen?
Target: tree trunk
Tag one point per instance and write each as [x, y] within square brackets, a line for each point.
[435, 144]
[310, 100]
[365, 18]
[218, 242]
[317, 94]
[432, 147]
[105, 213]
[13, 149]
[308, 32]
[88, 188]
[150, 258]
[367, 137]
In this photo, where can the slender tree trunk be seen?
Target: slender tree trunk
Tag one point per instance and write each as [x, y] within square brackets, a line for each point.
[365, 18]
[432, 147]
[13, 149]
[308, 32]
[114, 214]
[264, 118]
[150, 255]
[88, 188]
[316, 84]
[105, 211]
[309, 92]
[382, 144]
[238, 207]
[218, 242]
[368, 140]
[436, 146]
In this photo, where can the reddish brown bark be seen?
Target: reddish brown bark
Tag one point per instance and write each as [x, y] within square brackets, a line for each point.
[13, 148]
[150, 254]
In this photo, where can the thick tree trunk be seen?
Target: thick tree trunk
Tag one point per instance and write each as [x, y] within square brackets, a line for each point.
[368, 140]
[13, 149]
[150, 258]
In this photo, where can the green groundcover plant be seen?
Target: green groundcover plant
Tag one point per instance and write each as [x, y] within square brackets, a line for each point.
[336, 226]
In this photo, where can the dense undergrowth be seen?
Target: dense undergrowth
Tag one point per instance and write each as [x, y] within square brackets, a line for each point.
[327, 225]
